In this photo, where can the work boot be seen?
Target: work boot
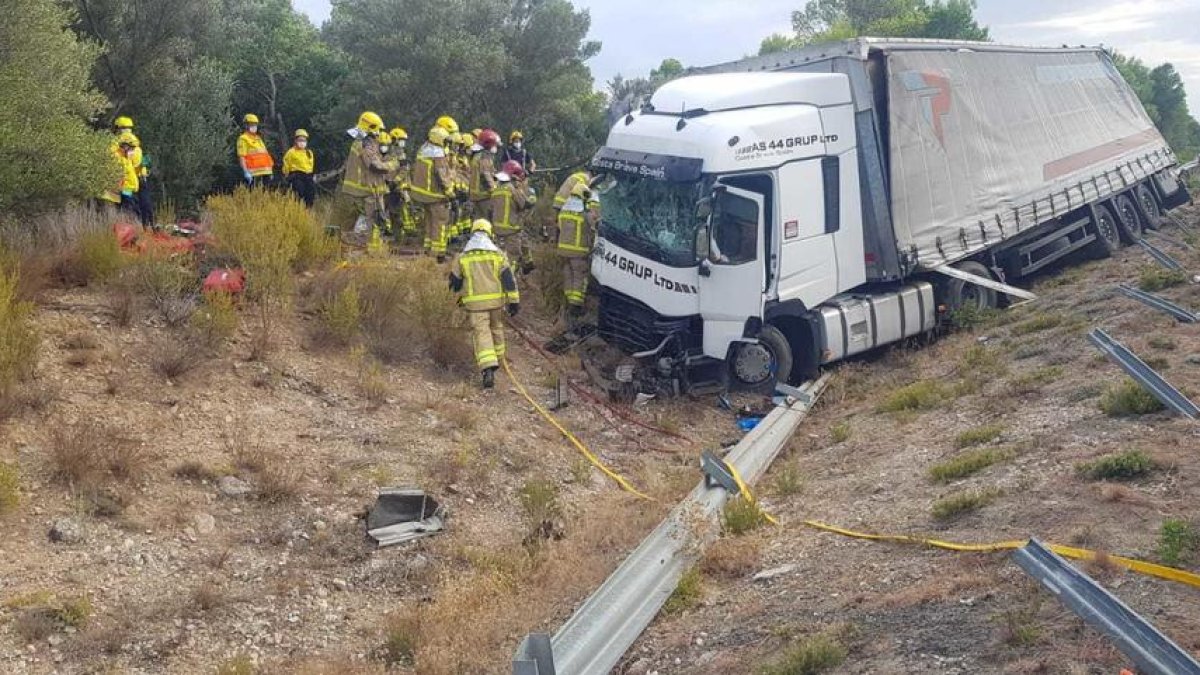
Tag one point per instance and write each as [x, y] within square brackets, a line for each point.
[489, 378]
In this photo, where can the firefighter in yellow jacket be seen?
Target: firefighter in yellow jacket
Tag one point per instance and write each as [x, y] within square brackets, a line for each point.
[431, 183]
[461, 163]
[125, 194]
[510, 199]
[483, 277]
[257, 164]
[365, 174]
[566, 189]
[576, 221]
[298, 167]
[482, 173]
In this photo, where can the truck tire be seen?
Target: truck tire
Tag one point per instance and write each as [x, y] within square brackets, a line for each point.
[757, 366]
[1151, 213]
[964, 294]
[1129, 221]
[1108, 236]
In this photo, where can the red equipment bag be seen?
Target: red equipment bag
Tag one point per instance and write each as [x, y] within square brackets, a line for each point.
[225, 280]
[126, 234]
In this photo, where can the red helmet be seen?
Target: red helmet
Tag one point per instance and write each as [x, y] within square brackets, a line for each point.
[513, 168]
[488, 138]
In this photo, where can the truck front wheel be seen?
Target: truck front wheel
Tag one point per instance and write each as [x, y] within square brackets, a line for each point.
[965, 296]
[756, 366]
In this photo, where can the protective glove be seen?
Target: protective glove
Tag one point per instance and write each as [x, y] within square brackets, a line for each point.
[247, 176]
[513, 308]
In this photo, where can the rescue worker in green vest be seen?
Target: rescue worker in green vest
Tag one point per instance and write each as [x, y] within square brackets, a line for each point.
[124, 194]
[141, 164]
[482, 174]
[432, 185]
[575, 238]
[482, 275]
[257, 164]
[298, 167]
[365, 174]
[510, 199]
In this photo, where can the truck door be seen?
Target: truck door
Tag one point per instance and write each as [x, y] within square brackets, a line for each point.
[732, 276]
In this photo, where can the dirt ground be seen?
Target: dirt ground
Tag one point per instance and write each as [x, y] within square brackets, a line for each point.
[902, 608]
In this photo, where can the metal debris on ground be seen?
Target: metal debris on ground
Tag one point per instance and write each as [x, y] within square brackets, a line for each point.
[402, 514]
[1170, 240]
[1159, 255]
[1162, 304]
[1152, 652]
[1144, 374]
[534, 656]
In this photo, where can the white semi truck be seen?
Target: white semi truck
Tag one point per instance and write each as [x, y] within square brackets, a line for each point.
[765, 217]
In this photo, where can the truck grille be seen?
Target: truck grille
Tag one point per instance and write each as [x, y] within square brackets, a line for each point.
[634, 327]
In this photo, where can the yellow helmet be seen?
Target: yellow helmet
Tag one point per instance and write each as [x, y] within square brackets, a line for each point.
[127, 138]
[399, 134]
[447, 122]
[516, 136]
[455, 138]
[468, 139]
[370, 122]
[476, 131]
[300, 133]
[123, 122]
[482, 225]
[250, 118]
[438, 136]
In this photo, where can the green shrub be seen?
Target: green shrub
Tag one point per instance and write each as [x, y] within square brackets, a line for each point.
[978, 436]
[1036, 379]
[840, 432]
[918, 396]
[1037, 324]
[741, 516]
[1162, 342]
[100, 255]
[788, 481]
[18, 338]
[970, 316]
[216, 320]
[1129, 398]
[1118, 466]
[967, 463]
[341, 317]
[1155, 278]
[539, 500]
[962, 503]
[10, 487]
[687, 594]
[1178, 541]
[810, 656]
[167, 283]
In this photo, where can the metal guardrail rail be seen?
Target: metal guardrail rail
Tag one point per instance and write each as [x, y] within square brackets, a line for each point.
[1144, 374]
[1152, 652]
[1161, 256]
[602, 629]
[1161, 304]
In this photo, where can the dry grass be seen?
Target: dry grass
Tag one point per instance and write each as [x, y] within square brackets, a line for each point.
[10, 487]
[1128, 398]
[196, 470]
[372, 383]
[1128, 465]
[963, 503]
[215, 320]
[340, 318]
[966, 464]
[732, 558]
[89, 453]
[812, 655]
[978, 436]
[166, 283]
[99, 256]
[741, 516]
[1154, 278]
[1040, 322]
[915, 397]
[687, 594]
[207, 596]
[172, 359]
[276, 478]
[18, 337]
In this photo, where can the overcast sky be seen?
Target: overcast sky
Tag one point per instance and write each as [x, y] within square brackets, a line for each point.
[638, 34]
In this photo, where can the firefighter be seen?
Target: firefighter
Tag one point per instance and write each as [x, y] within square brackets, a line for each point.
[510, 198]
[365, 174]
[565, 190]
[447, 122]
[462, 178]
[515, 151]
[141, 164]
[298, 167]
[257, 164]
[125, 194]
[397, 196]
[432, 185]
[482, 275]
[482, 173]
[574, 246]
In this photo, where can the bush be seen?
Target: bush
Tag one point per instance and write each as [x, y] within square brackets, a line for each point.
[918, 396]
[1155, 278]
[813, 655]
[547, 277]
[1037, 324]
[10, 487]
[173, 359]
[18, 340]
[840, 432]
[89, 453]
[966, 464]
[1178, 541]
[1129, 398]
[741, 516]
[341, 317]
[216, 320]
[788, 481]
[167, 283]
[687, 594]
[1118, 466]
[1033, 381]
[978, 436]
[962, 503]
[99, 255]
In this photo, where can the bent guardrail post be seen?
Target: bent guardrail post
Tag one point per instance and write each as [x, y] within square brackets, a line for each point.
[1152, 652]
[1144, 374]
[1161, 304]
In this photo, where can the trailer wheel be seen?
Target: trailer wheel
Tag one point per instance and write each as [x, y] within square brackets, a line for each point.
[756, 366]
[1108, 237]
[964, 295]
[1152, 215]
[1128, 219]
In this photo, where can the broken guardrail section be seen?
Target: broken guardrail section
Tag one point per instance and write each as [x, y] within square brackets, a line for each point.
[606, 625]
[1161, 304]
[1144, 374]
[1160, 255]
[1152, 652]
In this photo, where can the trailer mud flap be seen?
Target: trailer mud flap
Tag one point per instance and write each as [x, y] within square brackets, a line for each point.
[985, 282]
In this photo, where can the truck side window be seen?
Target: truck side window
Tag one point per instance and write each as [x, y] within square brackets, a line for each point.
[735, 230]
[831, 173]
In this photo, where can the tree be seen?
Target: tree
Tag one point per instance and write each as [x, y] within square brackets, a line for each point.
[1162, 95]
[48, 151]
[625, 95]
[828, 20]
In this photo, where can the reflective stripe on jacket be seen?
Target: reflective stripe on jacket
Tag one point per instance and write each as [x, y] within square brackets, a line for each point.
[430, 180]
[488, 282]
[253, 152]
[508, 200]
[574, 234]
[564, 190]
[483, 176]
[366, 172]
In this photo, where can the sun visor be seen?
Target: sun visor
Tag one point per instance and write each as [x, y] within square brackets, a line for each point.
[646, 165]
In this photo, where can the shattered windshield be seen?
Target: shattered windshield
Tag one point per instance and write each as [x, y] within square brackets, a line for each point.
[652, 217]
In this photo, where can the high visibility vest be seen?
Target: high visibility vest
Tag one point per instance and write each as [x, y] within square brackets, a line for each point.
[483, 182]
[358, 179]
[574, 233]
[564, 191]
[129, 177]
[487, 280]
[252, 150]
[430, 181]
[296, 160]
